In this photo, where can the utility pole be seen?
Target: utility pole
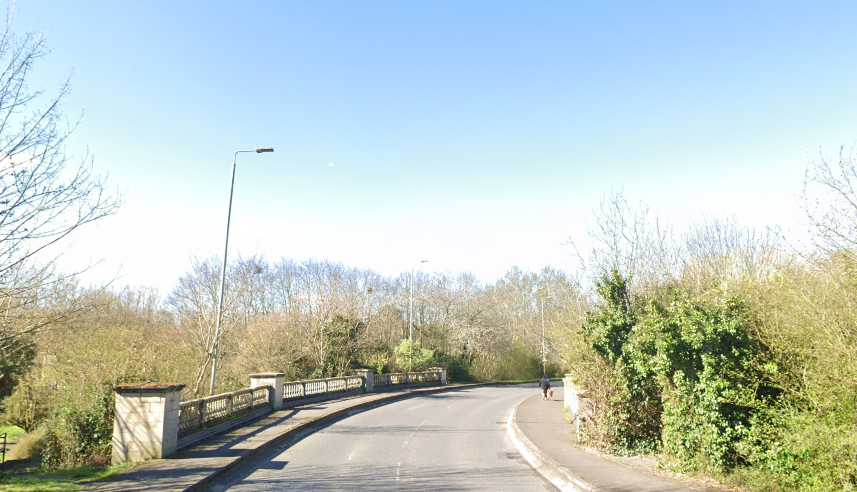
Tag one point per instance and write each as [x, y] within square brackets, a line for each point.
[411, 317]
[544, 359]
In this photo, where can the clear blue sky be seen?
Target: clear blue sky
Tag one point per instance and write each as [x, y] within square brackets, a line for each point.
[477, 135]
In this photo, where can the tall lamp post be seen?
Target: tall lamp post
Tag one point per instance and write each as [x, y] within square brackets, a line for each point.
[544, 357]
[258, 150]
[411, 317]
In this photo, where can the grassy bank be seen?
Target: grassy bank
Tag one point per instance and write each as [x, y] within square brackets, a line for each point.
[33, 480]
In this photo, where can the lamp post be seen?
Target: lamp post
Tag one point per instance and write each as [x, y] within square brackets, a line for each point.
[544, 358]
[258, 150]
[411, 318]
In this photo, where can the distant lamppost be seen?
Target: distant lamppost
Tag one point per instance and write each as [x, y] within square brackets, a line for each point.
[411, 318]
[257, 150]
[544, 357]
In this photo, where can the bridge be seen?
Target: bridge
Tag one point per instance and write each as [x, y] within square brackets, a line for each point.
[363, 432]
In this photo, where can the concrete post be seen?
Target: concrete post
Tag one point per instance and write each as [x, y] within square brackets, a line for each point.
[569, 395]
[273, 379]
[368, 376]
[146, 421]
[442, 374]
[572, 403]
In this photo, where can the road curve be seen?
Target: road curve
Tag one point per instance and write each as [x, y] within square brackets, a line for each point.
[447, 441]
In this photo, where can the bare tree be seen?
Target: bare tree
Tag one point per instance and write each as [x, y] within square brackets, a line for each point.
[717, 251]
[830, 203]
[193, 303]
[45, 194]
[625, 239]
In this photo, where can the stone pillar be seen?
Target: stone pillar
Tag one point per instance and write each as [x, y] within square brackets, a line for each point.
[368, 376]
[441, 375]
[569, 395]
[146, 421]
[274, 380]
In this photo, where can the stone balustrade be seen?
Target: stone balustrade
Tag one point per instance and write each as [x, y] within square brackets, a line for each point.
[204, 417]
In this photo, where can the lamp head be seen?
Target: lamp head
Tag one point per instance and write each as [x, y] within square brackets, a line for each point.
[259, 150]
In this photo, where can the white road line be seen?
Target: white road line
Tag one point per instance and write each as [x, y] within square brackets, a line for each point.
[399, 465]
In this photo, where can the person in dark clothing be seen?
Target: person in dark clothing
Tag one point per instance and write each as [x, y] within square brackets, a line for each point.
[545, 385]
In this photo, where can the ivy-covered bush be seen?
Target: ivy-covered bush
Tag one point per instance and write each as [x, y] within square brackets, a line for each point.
[633, 405]
[687, 375]
[81, 436]
[711, 379]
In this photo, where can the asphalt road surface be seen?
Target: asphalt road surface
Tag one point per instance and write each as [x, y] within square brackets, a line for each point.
[454, 440]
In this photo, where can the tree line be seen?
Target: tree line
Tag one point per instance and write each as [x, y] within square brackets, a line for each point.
[309, 319]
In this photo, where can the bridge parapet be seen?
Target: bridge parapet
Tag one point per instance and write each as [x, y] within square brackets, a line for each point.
[577, 402]
[151, 421]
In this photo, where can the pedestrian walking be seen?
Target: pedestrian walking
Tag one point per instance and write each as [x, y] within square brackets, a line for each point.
[545, 385]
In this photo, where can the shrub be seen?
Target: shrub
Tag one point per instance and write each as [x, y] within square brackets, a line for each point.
[28, 446]
[685, 374]
[29, 405]
[413, 354]
[710, 370]
[457, 367]
[633, 406]
[81, 436]
[16, 358]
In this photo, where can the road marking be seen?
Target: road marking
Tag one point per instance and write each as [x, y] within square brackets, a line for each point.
[399, 465]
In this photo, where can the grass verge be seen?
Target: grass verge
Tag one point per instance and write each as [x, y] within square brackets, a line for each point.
[57, 481]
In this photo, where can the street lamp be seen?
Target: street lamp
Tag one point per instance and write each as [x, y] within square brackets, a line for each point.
[544, 358]
[258, 150]
[411, 318]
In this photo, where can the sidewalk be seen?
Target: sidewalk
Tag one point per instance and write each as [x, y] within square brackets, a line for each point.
[547, 440]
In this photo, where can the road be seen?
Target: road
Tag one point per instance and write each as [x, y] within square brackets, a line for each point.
[448, 441]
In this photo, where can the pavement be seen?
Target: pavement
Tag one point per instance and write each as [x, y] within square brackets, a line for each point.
[538, 428]
[542, 433]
